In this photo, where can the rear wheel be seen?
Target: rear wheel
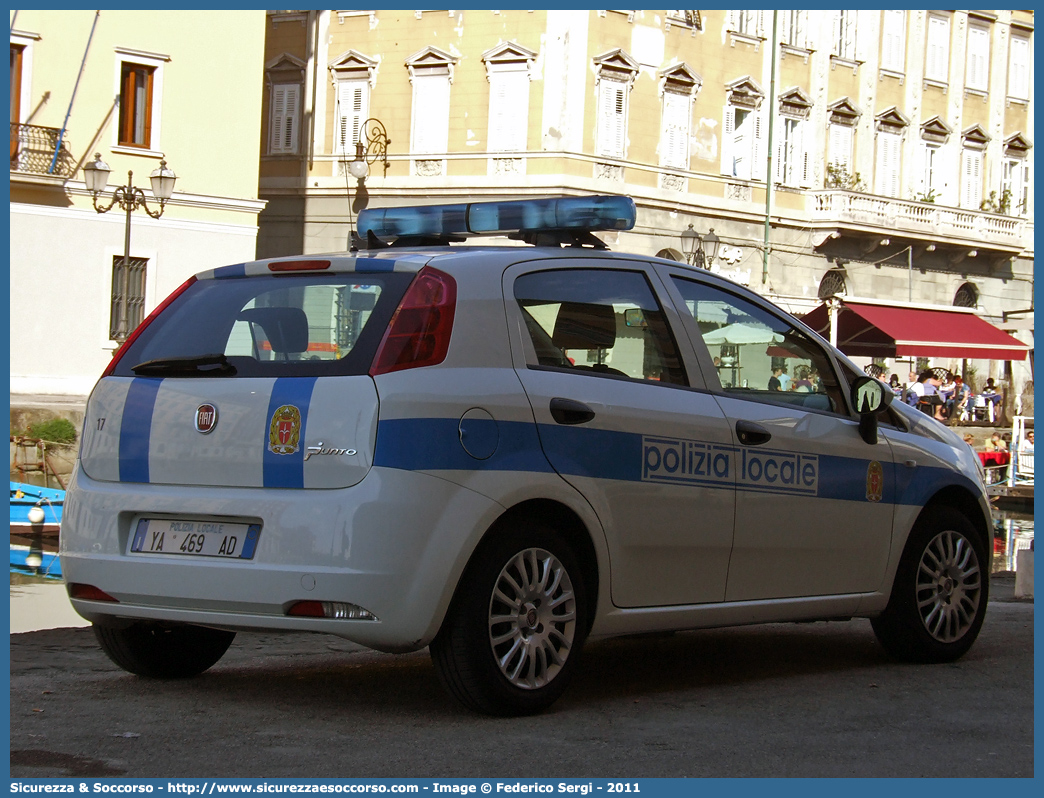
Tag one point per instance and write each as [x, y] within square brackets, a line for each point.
[163, 651]
[940, 592]
[514, 632]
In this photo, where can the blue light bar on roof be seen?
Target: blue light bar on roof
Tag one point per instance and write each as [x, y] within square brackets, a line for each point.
[500, 218]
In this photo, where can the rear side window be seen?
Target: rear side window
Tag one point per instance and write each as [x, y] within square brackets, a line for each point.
[269, 326]
[598, 321]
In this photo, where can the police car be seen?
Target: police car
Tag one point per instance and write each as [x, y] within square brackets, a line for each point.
[499, 452]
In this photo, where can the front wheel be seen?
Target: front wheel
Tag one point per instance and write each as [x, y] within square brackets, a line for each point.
[940, 592]
[513, 635]
[163, 651]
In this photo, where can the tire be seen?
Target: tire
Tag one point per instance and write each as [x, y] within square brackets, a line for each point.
[163, 651]
[940, 592]
[516, 626]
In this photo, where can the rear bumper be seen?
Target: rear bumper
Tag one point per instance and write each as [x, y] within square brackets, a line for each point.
[395, 544]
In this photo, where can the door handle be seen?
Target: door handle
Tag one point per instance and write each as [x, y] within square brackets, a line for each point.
[751, 434]
[569, 411]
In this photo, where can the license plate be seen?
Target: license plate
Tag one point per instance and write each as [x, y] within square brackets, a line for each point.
[195, 538]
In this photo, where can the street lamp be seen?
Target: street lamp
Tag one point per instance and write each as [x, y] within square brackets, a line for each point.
[129, 198]
[695, 247]
[372, 145]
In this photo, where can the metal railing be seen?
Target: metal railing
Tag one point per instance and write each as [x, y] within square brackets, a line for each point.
[916, 217]
[32, 151]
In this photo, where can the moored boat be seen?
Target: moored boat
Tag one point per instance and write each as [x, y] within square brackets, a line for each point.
[36, 516]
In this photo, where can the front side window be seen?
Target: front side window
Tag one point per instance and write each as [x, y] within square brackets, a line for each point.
[136, 96]
[759, 355]
[598, 322]
[933, 179]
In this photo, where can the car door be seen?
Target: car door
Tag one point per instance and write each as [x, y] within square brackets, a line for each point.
[623, 417]
[814, 501]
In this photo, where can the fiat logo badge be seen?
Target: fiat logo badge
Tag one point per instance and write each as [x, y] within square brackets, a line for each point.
[206, 418]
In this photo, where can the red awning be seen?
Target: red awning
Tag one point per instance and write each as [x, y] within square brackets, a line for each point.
[872, 330]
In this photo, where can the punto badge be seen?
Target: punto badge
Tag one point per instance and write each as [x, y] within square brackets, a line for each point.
[284, 433]
[206, 418]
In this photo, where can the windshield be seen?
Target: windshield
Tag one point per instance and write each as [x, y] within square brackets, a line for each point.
[269, 326]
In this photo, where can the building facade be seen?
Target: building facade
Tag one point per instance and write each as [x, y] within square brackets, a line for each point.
[137, 87]
[899, 144]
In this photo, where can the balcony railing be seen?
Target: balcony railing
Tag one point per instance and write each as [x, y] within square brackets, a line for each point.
[917, 217]
[32, 151]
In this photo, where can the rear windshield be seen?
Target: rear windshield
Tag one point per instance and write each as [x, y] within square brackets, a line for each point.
[269, 326]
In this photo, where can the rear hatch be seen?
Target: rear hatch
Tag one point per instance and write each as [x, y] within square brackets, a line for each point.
[247, 380]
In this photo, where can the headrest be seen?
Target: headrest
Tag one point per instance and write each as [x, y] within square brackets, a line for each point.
[285, 328]
[583, 326]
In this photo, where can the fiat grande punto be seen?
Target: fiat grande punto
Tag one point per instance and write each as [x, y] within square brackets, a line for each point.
[499, 452]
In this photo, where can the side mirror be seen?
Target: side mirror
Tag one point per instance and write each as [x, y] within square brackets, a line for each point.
[869, 396]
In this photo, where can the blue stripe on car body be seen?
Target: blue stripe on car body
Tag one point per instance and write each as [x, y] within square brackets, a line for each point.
[287, 470]
[432, 444]
[136, 429]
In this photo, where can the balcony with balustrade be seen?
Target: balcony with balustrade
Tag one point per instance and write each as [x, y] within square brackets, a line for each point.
[857, 214]
[33, 150]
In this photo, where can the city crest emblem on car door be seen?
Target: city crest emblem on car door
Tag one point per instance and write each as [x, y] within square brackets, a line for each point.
[206, 418]
[284, 433]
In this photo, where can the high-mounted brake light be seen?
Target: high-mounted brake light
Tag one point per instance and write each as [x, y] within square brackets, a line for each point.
[609, 212]
[298, 265]
[162, 306]
[419, 331]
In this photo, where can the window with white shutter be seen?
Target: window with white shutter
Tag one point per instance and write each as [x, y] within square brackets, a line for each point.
[792, 29]
[893, 41]
[508, 109]
[1019, 68]
[978, 63]
[932, 180]
[283, 119]
[430, 128]
[353, 106]
[840, 154]
[888, 163]
[791, 155]
[742, 153]
[612, 117]
[844, 34]
[937, 54]
[677, 124]
[971, 179]
[1015, 182]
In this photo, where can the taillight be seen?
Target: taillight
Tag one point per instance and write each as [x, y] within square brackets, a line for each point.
[141, 327]
[419, 332]
[339, 610]
[89, 593]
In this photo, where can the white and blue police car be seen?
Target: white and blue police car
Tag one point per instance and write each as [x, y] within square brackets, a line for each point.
[500, 451]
